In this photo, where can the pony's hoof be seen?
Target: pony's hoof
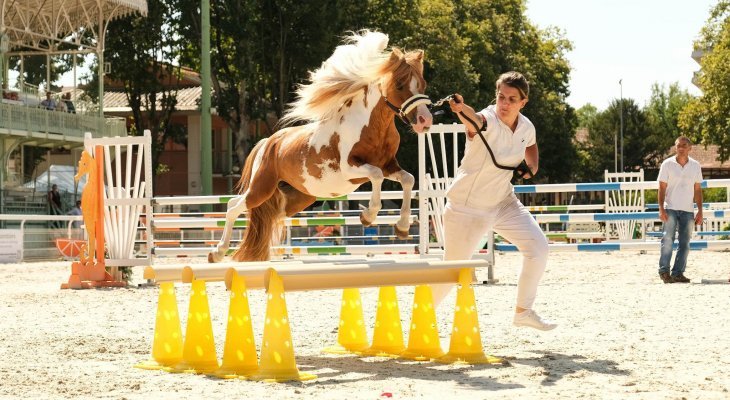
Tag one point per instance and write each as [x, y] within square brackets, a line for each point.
[213, 257]
[364, 221]
[401, 234]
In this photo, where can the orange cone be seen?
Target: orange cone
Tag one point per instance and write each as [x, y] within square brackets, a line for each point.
[199, 355]
[466, 341]
[239, 352]
[423, 339]
[388, 333]
[277, 351]
[351, 334]
[167, 344]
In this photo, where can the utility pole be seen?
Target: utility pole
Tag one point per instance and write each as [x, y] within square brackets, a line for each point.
[206, 142]
[621, 111]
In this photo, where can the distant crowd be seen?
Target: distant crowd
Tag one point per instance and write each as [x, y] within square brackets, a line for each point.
[64, 104]
[52, 103]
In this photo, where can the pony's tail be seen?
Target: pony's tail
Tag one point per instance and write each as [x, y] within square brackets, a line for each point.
[264, 220]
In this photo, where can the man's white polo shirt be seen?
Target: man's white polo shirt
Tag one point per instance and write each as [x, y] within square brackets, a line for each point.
[680, 183]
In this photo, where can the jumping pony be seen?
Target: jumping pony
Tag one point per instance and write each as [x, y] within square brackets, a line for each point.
[347, 137]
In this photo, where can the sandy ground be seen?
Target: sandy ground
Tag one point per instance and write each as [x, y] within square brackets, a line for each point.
[623, 334]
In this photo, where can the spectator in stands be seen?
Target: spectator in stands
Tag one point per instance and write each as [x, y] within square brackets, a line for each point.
[481, 197]
[680, 179]
[54, 204]
[66, 99]
[76, 210]
[61, 106]
[49, 103]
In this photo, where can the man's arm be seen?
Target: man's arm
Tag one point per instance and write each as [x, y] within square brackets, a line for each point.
[660, 197]
[698, 201]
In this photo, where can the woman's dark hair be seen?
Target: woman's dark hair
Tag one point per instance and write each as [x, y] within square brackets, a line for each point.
[516, 80]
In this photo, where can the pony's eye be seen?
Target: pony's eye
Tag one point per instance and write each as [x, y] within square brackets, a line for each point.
[399, 87]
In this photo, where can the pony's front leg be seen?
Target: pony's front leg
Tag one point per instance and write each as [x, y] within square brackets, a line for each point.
[375, 174]
[236, 206]
[404, 222]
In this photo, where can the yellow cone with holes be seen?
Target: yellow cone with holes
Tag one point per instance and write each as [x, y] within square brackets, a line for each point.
[351, 334]
[423, 339]
[388, 333]
[239, 351]
[466, 341]
[199, 355]
[167, 344]
[277, 351]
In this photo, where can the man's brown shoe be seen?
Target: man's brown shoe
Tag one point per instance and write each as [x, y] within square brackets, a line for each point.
[680, 279]
[666, 278]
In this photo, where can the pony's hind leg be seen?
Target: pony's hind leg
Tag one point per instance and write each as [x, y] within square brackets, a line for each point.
[236, 207]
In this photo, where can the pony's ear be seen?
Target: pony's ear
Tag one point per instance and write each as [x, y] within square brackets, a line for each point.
[396, 55]
[418, 55]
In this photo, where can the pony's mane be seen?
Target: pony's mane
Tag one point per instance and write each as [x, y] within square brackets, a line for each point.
[356, 63]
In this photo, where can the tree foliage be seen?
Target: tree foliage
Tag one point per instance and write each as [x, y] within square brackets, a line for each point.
[662, 112]
[707, 118]
[602, 151]
[261, 49]
[143, 53]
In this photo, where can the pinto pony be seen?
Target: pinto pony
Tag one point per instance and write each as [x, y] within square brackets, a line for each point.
[348, 137]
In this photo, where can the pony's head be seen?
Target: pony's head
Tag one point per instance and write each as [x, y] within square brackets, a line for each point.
[403, 89]
[86, 165]
[360, 61]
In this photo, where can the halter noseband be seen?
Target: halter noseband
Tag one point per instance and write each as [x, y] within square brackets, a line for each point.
[408, 106]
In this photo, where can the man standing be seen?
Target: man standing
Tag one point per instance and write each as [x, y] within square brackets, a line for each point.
[54, 204]
[680, 179]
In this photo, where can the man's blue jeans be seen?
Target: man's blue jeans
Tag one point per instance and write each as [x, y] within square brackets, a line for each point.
[681, 222]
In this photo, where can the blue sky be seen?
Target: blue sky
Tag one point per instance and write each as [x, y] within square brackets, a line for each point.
[640, 41]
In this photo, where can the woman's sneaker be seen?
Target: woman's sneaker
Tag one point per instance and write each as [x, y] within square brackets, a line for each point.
[530, 319]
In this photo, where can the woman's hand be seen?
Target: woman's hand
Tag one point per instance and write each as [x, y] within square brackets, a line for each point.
[457, 106]
[457, 103]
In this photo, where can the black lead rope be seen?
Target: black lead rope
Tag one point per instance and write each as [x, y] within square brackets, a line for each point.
[521, 169]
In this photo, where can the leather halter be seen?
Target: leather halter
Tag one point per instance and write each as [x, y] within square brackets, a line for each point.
[408, 106]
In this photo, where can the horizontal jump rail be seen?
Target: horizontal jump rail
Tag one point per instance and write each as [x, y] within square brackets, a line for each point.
[297, 276]
[167, 223]
[603, 186]
[187, 200]
[619, 216]
[608, 246]
[354, 249]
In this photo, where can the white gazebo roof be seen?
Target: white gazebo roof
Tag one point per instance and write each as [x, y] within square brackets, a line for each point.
[41, 25]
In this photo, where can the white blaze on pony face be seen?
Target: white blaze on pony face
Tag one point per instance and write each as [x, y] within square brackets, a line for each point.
[423, 119]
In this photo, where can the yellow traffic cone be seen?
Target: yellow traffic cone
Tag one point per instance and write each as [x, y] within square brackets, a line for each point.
[239, 351]
[388, 333]
[423, 339]
[351, 334]
[167, 344]
[277, 351]
[199, 355]
[466, 341]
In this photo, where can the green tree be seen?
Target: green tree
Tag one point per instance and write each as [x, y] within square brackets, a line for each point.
[706, 118]
[586, 114]
[662, 112]
[501, 39]
[260, 50]
[142, 52]
[602, 150]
